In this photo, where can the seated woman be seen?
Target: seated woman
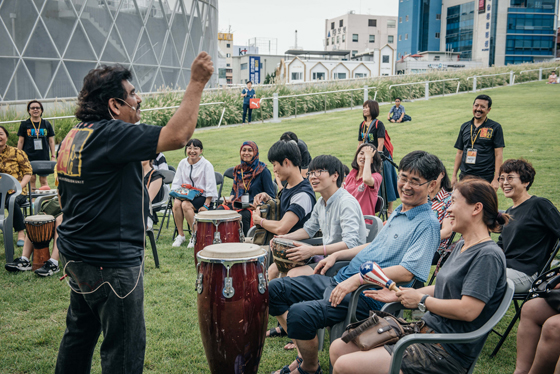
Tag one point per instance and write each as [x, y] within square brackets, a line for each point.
[250, 178]
[364, 180]
[528, 240]
[154, 183]
[538, 350]
[440, 197]
[199, 173]
[467, 293]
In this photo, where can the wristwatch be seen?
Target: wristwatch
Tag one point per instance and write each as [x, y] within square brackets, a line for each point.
[421, 305]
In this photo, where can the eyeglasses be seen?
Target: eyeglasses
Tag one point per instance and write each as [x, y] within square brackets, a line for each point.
[35, 108]
[509, 179]
[397, 101]
[315, 173]
[411, 182]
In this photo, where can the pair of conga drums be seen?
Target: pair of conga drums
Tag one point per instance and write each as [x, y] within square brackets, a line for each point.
[232, 306]
[216, 227]
[40, 230]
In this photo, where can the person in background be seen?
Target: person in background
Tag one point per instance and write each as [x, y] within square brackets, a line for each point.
[36, 137]
[247, 94]
[397, 112]
[160, 163]
[552, 78]
[154, 183]
[440, 196]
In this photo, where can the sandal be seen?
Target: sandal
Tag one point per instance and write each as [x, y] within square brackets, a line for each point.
[301, 371]
[272, 333]
[293, 345]
[286, 369]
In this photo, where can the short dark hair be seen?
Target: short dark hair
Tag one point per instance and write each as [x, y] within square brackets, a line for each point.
[345, 169]
[484, 97]
[282, 150]
[373, 108]
[288, 135]
[194, 142]
[38, 102]
[445, 182]
[398, 98]
[101, 85]
[330, 164]
[376, 163]
[421, 162]
[249, 82]
[522, 167]
[5, 130]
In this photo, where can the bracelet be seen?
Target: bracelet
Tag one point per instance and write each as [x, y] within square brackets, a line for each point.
[206, 206]
[361, 278]
[262, 220]
[324, 250]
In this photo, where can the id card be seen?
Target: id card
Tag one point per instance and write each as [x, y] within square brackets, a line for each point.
[245, 198]
[471, 156]
[38, 144]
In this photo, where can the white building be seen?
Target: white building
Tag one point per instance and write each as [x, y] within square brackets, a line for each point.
[424, 62]
[255, 68]
[225, 50]
[360, 32]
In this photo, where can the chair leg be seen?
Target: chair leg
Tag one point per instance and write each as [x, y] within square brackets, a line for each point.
[506, 333]
[165, 215]
[150, 234]
[321, 337]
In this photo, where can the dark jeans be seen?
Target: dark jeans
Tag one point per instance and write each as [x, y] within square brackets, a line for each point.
[18, 215]
[245, 109]
[121, 320]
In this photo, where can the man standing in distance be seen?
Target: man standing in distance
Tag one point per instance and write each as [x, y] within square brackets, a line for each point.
[105, 206]
[480, 145]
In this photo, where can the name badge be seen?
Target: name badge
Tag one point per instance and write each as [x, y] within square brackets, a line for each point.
[471, 156]
[245, 198]
[38, 144]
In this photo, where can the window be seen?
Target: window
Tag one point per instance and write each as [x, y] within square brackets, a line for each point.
[228, 65]
[327, 41]
[437, 35]
[436, 58]
[339, 75]
[338, 39]
[354, 53]
[332, 40]
[319, 76]
[354, 37]
[228, 55]
[400, 38]
[390, 39]
[438, 16]
[332, 25]
[372, 38]
[228, 45]
[400, 19]
[405, 36]
[360, 75]
[244, 66]
[343, 38]
[391, 24]
[406, 18]
[386, 59]
[297, 76]
[340, 24]
[372, 22]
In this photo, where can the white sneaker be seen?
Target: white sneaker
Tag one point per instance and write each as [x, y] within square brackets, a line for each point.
[191, 244]
[178, 241]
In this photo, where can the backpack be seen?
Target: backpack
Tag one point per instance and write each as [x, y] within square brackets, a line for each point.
[387, 144]
[271, 212]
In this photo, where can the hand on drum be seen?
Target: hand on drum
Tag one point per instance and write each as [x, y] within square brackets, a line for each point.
[300, 252]
[384, 295]
[202, 209]
[257, 219]
[343, 289]
[324, 265]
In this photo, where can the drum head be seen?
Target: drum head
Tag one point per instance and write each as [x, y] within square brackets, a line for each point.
[217, 215]
[39, 218]
[285, 242]
[231, 251]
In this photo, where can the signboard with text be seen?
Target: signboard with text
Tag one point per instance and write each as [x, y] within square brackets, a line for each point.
[255, 69]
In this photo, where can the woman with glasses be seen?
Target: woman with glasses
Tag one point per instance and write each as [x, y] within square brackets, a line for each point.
[530, 237]
[36, 137]
[364, 180]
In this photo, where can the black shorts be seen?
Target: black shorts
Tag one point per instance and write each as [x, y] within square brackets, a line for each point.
[427, 359]
[197, 202]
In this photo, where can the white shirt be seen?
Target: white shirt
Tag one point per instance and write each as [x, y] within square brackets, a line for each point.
[200, 175]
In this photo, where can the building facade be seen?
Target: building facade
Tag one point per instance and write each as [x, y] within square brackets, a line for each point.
[254, 67]
[360, 32]
[47, 47]
[225, 49]
[419, 25]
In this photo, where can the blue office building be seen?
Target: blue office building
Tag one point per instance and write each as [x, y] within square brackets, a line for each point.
[419, 26]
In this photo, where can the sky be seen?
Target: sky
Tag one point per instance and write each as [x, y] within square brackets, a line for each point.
[281, 18]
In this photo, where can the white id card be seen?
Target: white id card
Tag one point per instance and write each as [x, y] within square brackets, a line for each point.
[38, 144]
[245, 198]
[471, 156]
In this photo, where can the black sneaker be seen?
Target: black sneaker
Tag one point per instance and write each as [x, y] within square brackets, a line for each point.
[19, 264]
[48, 269]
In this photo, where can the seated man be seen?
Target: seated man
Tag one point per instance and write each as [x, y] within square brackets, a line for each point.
[51, 265]
[403, 248]
[396, 114]
[337, 214]
[297, 199]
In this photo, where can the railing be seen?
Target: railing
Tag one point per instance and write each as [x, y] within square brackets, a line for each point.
[427, 86]
[540, 70]
[475, 77]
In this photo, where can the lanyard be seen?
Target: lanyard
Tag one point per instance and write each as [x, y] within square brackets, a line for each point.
[369, 128]
[478, 133]
[36, 129]
[244, 185]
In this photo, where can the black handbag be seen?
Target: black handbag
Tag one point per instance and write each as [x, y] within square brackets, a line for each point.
[544, 286]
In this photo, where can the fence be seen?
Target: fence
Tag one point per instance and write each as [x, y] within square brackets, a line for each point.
[475, 77]
[540, 70]
[427, 86]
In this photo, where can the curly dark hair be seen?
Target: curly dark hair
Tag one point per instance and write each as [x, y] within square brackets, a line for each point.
[100, 85]
[522, 167]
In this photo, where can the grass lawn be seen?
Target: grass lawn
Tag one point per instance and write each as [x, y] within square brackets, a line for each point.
[33, 310]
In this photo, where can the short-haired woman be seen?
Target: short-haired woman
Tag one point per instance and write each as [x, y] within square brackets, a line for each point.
[199, 173]
[36, 137]
[529, 238]
[468, 291]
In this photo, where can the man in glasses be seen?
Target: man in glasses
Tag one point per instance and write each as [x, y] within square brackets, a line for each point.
[396, 114]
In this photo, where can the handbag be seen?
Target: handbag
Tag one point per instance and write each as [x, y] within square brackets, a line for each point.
[544, 286]
[271, 212]
[186, 192]
[254, 103]
[378, 329]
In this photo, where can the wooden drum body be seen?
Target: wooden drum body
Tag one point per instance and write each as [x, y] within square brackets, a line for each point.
[216, 227]
[279, 247]
[40, 230]
[232, 306]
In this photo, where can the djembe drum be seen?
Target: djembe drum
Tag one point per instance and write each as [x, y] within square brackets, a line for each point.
[279, 248]
[232, 306]
[216, 227]
[40, 230]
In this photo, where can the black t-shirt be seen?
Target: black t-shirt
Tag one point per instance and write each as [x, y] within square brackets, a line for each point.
[489, 136]
[528, 239]
[101, 190]
[305, 156]
[479, 272]
[153, 176]
[299, 200]
[30, 133]
[373, 135]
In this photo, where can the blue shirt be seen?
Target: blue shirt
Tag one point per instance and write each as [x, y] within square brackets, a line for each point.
[250, 94]
[261, 183]
[396, 112]
[409, 239]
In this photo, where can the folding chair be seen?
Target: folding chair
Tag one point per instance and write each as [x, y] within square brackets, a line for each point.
[41, 168]
[523, 297]
[167, 204]
[7, 183]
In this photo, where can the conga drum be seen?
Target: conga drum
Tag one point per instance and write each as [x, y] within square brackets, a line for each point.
[279, 249]
[216, 227]
[232, 306]
[40, 230]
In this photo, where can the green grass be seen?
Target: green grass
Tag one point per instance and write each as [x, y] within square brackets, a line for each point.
[33, 310]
